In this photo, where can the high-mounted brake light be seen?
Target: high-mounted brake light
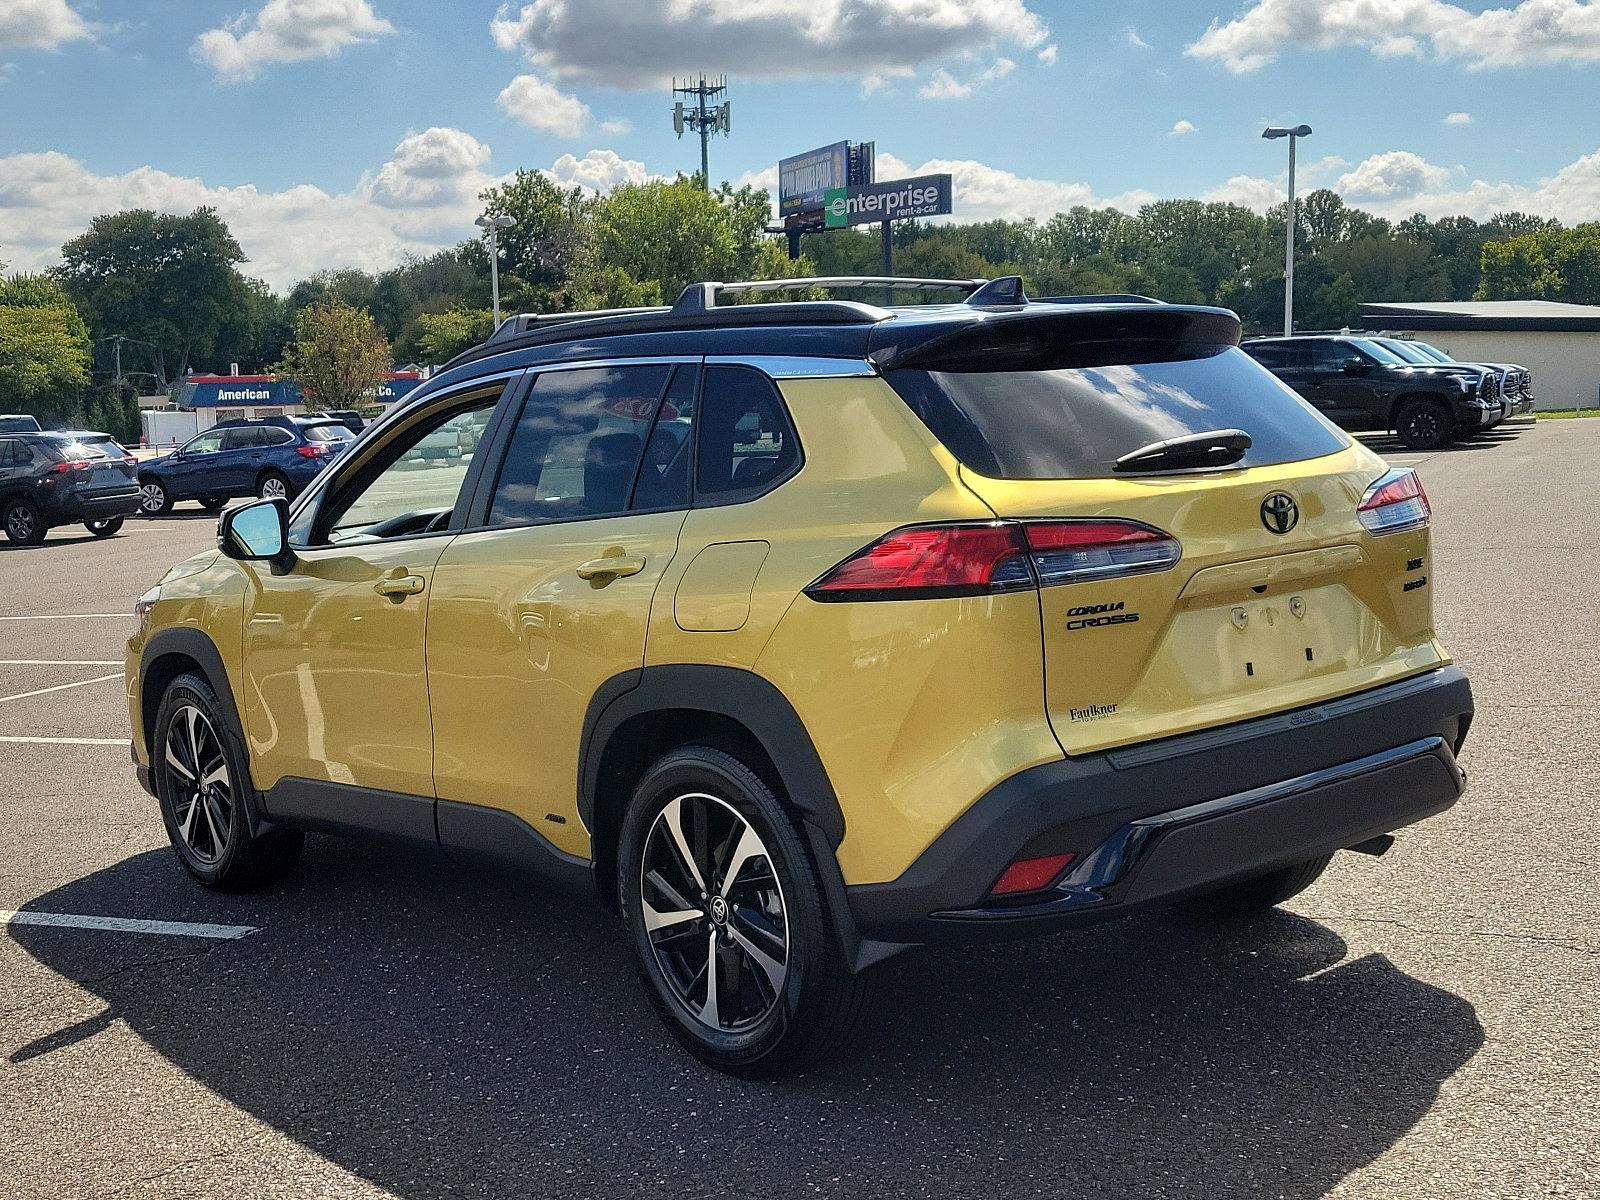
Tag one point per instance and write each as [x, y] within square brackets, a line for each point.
[1395, 503]
[929, 561]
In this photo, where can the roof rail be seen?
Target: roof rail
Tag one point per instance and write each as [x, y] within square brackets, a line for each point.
[701, 297]
[1103, 298]
[520, 323]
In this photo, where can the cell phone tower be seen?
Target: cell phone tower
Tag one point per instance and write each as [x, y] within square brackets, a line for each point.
[704, 108]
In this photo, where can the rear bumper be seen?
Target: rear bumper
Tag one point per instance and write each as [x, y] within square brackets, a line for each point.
[92, 506]
[1155, 822]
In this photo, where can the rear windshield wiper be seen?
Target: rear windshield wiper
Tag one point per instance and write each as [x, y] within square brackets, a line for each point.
[1193, 451]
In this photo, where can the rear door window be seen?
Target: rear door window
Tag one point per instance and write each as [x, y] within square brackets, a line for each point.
[578, 444]
[1075, 423]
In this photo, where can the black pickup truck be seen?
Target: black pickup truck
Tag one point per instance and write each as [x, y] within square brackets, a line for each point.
[1359, 384]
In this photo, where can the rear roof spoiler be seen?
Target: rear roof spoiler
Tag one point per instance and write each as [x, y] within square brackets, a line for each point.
[1043, 336]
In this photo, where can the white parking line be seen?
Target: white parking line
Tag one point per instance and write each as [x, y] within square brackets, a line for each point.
[127, 925]
[60, 687]
[70, 617]
[60, 662]
[55, 741]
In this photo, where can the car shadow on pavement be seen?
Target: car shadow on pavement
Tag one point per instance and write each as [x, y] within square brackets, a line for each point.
[444, 1035]
[1387, 443]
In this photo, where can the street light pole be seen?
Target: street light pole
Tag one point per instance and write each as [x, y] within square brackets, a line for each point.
[493, 225]
[1293, 134]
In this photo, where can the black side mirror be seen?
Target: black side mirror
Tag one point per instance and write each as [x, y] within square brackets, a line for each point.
[1356, 366]
[258, 532]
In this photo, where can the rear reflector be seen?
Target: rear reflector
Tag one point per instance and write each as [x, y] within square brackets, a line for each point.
[930, 561]
[1395, 503]
[1030, 875]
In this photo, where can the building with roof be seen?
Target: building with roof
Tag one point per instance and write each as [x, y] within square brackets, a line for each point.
[1558, 343]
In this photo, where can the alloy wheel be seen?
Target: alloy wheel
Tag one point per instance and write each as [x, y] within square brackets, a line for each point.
[151, 497]
[19, 523]
[202, 788]
[714, 913]
[274, 488]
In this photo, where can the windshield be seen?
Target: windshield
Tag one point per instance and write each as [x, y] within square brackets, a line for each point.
[1410, 353]
[1076, 423]
[1433, 352]
[1380, 352]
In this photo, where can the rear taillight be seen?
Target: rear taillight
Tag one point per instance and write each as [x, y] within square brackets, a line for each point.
[61, 468]
[129, 460]
[1395, 503]
[312, 450]
[929, 561]
[1030, 875]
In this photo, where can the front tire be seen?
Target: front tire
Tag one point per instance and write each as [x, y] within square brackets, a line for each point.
[23, 521]
[728, 919]
[213, 503]
[154, 499]
[202, 780]
[1423, 425]
[104, 527]
[1247, 897]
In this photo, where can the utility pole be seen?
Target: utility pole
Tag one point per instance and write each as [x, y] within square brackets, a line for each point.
[707, 113]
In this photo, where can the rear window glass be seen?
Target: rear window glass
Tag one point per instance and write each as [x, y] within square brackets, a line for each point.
[1075, 423]
[80, 451]
[327, 433]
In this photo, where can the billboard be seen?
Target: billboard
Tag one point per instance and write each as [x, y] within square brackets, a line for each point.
[919, 196]
[268, 391]
[805, 179]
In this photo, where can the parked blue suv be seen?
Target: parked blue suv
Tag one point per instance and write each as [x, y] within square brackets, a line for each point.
[268, 456]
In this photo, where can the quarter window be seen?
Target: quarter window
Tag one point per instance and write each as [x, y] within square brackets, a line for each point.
[578, 444]
[746, 441]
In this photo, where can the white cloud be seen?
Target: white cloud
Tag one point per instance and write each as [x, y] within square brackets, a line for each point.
[1392, 175]
[1458, 118]
[1049, 54]
[39, 24]
[1531, 31]
[1134, 39]
[424, 198]
[598, 171]
[626, 43]
[942, 85]
[982, 192]
[1180, 128]
[1249, 191]
[287, 31]
[540, 105]
[616, 125]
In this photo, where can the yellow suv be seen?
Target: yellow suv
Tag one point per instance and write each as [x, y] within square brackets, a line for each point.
[805, 632]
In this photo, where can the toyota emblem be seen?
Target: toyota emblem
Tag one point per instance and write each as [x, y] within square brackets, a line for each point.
[1279, 512]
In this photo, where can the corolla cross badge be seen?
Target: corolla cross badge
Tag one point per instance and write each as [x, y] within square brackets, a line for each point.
[1279, 512]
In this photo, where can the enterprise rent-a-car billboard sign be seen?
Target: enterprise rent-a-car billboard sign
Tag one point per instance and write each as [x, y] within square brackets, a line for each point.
[805, 179]
[919, 196]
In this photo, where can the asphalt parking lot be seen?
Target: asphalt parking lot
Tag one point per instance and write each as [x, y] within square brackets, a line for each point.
[1424, 1025]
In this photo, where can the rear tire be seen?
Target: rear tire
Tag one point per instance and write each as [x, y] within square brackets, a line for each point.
[154, 499]
[202, 780]
[24, 523]
[273, 483]
[1247, 897]
[768, 1016]
[104, 527]
[1424, 425]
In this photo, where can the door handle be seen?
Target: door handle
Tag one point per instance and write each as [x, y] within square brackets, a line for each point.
[405, 585]
[611, 565]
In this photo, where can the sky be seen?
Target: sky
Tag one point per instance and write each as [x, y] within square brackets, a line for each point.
[340, 133]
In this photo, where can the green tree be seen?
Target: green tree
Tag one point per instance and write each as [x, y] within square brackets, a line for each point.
[338, 357]
[441, 336]
[543, 246]
[1518, 269]
[44, 349]
[162, 278]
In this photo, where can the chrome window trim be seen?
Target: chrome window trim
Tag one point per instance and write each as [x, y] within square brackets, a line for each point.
[794, 366]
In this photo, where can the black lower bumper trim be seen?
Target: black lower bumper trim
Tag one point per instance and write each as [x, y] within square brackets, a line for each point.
[1155, 822]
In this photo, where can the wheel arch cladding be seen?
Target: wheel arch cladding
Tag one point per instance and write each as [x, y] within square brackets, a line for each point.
[170, 653]
[637, 717]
